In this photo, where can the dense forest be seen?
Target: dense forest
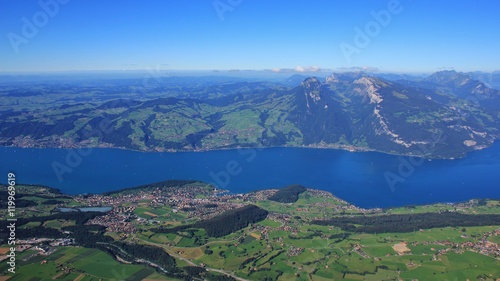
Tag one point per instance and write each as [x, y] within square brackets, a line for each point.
[232, 221]
[22, 203]
[91, 236]
[153, 254]
[408, 222]
[79, 217]
[289, 194]
[226, 223]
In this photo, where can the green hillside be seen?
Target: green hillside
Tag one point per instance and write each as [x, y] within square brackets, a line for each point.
[434, 117]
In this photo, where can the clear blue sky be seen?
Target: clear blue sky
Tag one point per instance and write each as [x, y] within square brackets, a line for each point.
[424, 36]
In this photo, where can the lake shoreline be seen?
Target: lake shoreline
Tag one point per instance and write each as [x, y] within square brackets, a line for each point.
[349, 148]
[359, 178]
[106, 208]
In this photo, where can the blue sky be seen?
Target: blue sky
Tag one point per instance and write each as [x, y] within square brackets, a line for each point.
[421, 36]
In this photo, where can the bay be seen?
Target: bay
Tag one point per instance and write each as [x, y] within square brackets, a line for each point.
[357, 177]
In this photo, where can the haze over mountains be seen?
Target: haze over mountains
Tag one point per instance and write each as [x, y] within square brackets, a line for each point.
[444, 115]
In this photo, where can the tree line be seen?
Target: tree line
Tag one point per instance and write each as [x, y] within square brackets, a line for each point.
[225, 223]
[289, 194]
[40, 231]
[409, 222]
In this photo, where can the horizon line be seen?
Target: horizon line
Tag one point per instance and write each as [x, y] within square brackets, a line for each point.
[235, 71]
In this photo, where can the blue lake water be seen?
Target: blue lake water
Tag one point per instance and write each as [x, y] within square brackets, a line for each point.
[359, 178]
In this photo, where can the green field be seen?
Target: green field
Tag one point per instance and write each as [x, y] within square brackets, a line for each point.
[92, 264]
[284, 246]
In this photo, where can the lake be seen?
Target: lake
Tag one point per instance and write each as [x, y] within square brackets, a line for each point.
[367, 179]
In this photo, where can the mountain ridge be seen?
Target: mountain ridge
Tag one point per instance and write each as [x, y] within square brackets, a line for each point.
[437, 117]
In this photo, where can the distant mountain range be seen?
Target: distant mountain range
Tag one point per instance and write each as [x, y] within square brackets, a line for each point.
[444, 115]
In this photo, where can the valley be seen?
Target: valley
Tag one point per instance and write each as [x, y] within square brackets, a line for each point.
[445, 115]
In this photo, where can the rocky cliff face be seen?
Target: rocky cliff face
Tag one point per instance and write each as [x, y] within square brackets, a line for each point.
[433, 117]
